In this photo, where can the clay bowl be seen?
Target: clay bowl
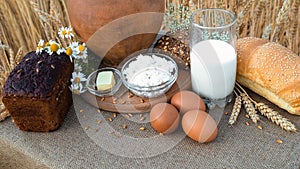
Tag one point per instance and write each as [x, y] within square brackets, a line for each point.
[114, 29]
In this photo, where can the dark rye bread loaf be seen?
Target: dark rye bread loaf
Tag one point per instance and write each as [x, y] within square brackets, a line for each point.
[36, 92]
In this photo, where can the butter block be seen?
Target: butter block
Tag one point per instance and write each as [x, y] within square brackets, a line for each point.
[105, 80]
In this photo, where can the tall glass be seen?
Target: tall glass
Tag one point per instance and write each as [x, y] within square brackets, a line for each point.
[213, 55]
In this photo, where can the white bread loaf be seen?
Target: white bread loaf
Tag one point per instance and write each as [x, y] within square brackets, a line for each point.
[271, 71]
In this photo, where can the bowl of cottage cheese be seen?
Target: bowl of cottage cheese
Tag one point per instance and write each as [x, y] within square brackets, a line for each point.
[149, 75]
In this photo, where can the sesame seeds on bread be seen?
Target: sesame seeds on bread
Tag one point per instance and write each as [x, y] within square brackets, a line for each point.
[271, 70]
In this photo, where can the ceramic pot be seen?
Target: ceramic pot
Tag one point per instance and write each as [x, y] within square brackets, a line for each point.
[113, 29]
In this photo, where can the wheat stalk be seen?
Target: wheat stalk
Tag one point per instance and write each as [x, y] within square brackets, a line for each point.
[3, 114]
[236, 110]
[12, 59]
[5, 69]
[265, 110]
[19, 55]
[250, 109]
[6, 66]
[4, 60]
[275, 20]
[240, 19]
[275, 117]
[292, 33]
[281, 19]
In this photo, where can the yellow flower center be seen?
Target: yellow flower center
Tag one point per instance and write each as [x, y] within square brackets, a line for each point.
[39, 47]
[63, 32]
[75, 91]
[77, 80]
[81, 48]
[47, 44]
[69, 32]
[54, 47]
[69, 51]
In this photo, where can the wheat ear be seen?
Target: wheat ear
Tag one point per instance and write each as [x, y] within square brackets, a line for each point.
[236, 110]
[248, 104]
[275, 117]
[250, 109]
[3, 112]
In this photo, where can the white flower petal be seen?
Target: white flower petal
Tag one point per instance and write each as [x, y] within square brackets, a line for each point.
[61, 50]
[41, 43]
[71, 58]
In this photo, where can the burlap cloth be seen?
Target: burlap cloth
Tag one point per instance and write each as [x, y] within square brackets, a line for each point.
[74, 146]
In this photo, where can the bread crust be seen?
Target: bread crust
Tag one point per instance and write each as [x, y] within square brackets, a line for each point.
[270, 70]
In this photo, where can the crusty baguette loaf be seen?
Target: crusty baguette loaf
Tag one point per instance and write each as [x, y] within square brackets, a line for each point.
[271, 71]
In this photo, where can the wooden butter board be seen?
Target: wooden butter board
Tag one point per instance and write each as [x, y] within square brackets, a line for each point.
[120, 102]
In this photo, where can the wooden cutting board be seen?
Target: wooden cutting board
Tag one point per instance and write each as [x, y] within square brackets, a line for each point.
[123, 103]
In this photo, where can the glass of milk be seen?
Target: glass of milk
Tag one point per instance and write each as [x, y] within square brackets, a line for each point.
[213, 55]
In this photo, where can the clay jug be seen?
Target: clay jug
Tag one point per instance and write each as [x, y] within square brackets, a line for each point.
[114, 29]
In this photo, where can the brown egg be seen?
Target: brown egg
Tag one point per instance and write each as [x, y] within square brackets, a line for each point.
[199, 126]
[164, 118]
[185, 101]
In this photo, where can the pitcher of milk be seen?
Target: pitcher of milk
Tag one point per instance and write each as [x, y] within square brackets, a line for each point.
[213, 55]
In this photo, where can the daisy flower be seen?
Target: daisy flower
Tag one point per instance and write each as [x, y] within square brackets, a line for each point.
[53, 47]
[78, 77]
[70, 50]
[82, 56]
[81, 48]
[73, 46]
[69, 33]
[62, 32]
[81, 51]
[40, 47]
[65, 32]
[77, 88]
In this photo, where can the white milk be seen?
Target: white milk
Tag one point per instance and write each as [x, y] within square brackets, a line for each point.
[213, 68]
